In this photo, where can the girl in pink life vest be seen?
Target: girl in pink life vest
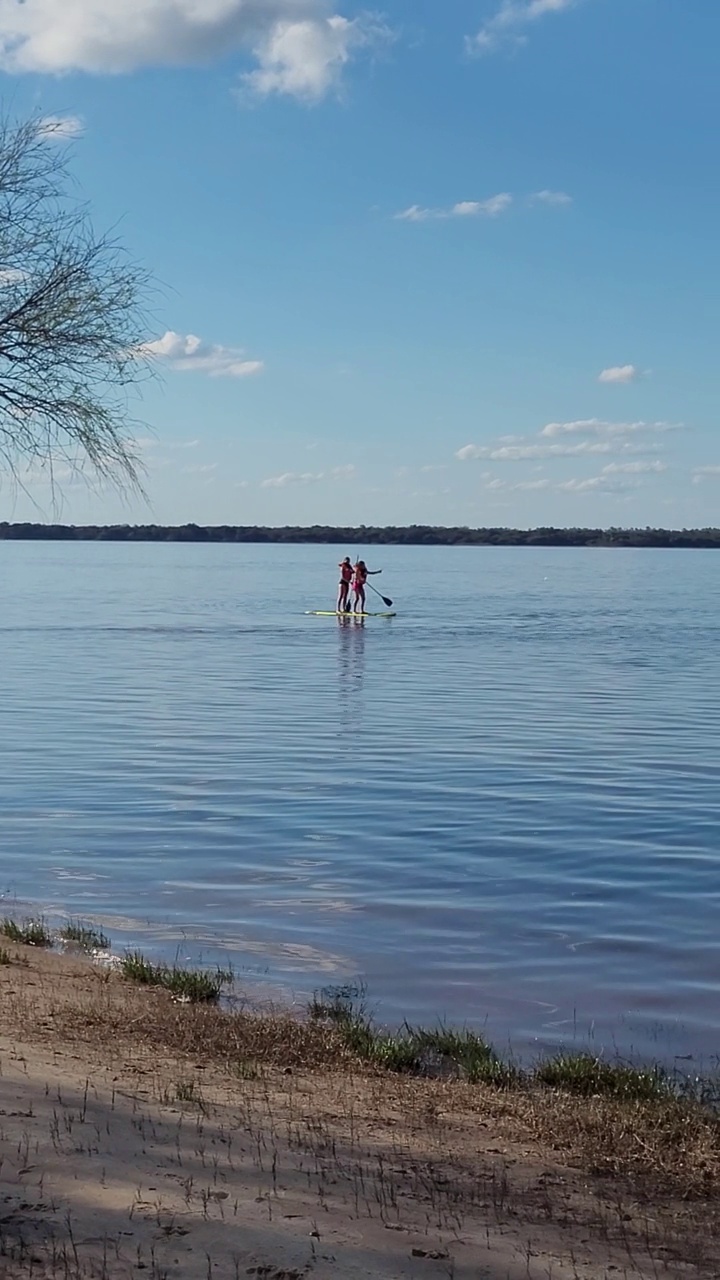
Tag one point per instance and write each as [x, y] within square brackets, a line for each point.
[362, 573]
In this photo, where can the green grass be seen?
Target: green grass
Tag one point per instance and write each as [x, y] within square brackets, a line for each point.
[339, 1003]
[85, 938]
[195, 985]
[412, 1050]
[30, 933]
[586, 1076]
[466, 1055]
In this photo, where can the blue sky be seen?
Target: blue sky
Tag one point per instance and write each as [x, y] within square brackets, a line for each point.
[437, 263]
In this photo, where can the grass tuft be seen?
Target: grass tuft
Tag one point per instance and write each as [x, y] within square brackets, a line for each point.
[415, 1051]
[197, 986]
[30, 933]
[5, 957]
[339, 1004]
[583, 1075]
[83, 936]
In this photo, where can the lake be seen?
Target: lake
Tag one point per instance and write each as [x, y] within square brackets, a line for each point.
[500, 808]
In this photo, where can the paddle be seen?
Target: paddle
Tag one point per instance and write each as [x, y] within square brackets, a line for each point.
[384, 599]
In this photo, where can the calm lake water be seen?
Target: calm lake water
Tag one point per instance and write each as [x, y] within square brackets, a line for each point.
[501, 807]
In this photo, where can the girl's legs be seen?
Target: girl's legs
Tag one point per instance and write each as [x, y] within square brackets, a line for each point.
[343, 597]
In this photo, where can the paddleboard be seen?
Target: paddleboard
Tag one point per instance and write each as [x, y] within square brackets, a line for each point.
[334, 613]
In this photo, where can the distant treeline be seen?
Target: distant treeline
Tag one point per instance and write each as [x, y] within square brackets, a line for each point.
[413, 535]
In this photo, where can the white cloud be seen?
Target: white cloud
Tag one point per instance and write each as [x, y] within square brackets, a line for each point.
[291, 477]
[490, 208]
[187, 352]
[300, 46]
[155, 442]
[512, 17]
[201, 469]
[582, 486]
[597, 484]
[557, 440]
[531, 452]
[415, 214]
[556, 199]
[61, 128]
[633, 468]
[524, 486]
[306, 59]
[619, 373]
[522, 452]
[308, 477]
[530, 485]
[705, 473]
[596, 427]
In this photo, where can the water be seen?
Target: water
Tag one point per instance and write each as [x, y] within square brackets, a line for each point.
[501, 807]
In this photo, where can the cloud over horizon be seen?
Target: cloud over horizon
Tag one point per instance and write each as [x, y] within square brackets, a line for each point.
[705, 473]
[597, 427]
[527, 452]
[556, 442]
[287, 478]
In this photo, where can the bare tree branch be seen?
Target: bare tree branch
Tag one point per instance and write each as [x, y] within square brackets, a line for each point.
[72, 321]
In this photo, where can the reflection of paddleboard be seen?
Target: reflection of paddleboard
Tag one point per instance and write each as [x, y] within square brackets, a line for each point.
[335, 613]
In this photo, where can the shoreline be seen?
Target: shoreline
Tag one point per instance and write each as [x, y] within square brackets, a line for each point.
[380, 535]
[283, 990]
[193, 1141]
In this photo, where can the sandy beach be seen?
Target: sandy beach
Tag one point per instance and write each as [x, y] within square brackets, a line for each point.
[145, 1137]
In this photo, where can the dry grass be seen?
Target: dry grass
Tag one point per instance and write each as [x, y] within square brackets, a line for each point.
[621, 1123]
[618, 1156]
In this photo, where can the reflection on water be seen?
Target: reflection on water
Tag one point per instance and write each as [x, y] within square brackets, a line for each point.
[502, 809]
[351, 665]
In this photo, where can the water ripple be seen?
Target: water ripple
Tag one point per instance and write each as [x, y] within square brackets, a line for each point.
[499, 807]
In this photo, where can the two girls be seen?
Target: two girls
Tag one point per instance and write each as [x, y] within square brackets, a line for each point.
[356, 578]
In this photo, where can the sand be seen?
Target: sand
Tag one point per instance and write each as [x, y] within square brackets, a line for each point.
[121, 1158]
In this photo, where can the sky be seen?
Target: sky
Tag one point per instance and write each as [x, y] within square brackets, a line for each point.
[434, 263]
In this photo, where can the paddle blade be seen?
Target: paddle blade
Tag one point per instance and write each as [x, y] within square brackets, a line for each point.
[385, 599]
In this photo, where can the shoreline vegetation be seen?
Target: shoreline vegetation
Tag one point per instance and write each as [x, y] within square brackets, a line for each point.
[365, 535]
[150, 1122]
